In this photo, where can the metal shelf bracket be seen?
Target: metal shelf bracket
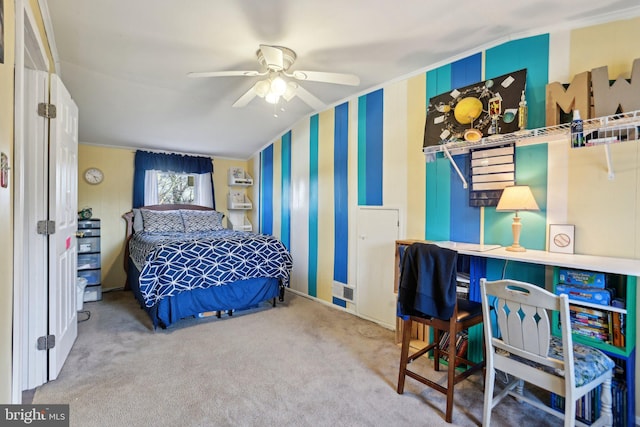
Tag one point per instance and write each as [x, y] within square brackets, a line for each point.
[446, 152]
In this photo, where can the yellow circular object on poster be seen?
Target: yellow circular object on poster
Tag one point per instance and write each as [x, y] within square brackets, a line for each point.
[467, 110]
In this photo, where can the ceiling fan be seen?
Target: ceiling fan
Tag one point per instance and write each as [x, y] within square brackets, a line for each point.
[280, 83]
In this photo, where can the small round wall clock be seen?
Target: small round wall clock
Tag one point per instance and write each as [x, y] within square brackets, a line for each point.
[93, 176]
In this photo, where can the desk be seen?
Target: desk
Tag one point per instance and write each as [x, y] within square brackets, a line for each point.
[627, 271]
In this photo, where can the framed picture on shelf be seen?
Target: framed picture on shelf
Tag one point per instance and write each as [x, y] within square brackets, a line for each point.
[561, 238]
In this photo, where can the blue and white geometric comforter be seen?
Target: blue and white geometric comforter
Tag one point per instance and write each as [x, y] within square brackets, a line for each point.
[170, 263]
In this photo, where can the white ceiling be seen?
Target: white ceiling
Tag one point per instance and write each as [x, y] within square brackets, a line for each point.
[125, 62]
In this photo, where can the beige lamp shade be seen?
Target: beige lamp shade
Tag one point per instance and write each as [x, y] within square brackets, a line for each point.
[517, 198]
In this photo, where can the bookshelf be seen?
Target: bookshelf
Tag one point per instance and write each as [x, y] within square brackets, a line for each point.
[608, 324]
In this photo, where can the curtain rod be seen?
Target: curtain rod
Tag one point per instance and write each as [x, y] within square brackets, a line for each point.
[173, 152]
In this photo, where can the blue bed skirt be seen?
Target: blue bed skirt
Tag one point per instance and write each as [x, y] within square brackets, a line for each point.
[233, 296]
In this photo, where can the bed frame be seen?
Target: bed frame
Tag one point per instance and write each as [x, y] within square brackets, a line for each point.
[132, 273]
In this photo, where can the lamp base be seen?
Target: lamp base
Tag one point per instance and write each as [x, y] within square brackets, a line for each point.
[516, 248]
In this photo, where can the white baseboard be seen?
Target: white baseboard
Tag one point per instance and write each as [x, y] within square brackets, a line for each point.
[337, 307]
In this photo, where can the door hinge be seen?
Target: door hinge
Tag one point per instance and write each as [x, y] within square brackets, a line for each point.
[46, 227]
[46, 342]
[48, 111]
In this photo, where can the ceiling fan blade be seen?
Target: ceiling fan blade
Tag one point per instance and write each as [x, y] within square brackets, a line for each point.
[226, 74]
[320, 76]
[273, 57]
[246, 97]
[309, 99]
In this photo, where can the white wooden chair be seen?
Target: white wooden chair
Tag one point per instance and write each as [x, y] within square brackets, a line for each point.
[525, 349]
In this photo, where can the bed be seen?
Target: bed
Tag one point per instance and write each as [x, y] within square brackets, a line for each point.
[181, 262]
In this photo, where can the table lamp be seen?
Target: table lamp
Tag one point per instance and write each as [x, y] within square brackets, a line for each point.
[517, 198]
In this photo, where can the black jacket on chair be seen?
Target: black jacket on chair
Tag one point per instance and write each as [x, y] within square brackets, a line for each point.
[427, 281]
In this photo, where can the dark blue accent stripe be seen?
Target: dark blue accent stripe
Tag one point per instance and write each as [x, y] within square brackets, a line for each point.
[266, 191]
[339, 302]
[341, 192]
[375, 114]
[285, 215]
[465, 220]
[466, 71]
[313, 206]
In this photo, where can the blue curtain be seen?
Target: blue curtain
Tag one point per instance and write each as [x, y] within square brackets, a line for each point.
[145, 161]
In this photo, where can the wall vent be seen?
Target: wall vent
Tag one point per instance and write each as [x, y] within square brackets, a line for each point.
[343, 291]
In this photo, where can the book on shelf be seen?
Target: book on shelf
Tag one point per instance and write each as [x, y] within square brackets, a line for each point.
[461, 344]
[618, 331]
[587, 310]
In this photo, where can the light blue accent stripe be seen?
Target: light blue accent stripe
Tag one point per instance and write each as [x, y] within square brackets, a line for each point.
[341, 193]
[438, 188]
[531, 53]
[313, 206]
[437, 174]
[285, 215]
[531, 170]
[362, 150]
[374, 169]
[438, 81]
[266, 191]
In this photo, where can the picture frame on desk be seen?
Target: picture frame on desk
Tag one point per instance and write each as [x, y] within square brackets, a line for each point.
[562, 238]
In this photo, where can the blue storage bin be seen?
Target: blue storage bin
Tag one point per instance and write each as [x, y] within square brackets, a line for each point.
[92, 276]
[88, 261]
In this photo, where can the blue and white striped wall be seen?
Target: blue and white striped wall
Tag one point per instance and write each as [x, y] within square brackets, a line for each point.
[368, 152]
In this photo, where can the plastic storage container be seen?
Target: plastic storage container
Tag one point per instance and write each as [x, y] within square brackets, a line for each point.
[81, 284]
[91, 276]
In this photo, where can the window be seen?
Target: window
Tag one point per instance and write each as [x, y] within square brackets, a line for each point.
[191, 181]
[176, 188]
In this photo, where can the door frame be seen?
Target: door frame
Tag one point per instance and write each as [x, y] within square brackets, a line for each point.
[29, 53]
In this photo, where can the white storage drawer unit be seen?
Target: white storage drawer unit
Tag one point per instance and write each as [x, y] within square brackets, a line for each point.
[89, 264]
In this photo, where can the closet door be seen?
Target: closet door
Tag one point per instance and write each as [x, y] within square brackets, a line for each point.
[378, 230]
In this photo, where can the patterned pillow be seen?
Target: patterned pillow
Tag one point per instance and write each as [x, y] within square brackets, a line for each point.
[161, 221]
[138, 224]
[201, 220]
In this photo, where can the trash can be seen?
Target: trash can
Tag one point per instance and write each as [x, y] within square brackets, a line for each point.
[81, 283]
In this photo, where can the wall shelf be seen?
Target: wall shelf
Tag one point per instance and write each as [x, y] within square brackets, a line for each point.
[599, 131]
[238, 203]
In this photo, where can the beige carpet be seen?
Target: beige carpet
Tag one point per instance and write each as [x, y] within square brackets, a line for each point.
[299, 364]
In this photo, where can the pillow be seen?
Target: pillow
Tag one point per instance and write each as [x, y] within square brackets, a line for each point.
[201, 220]
[138, 224]
[161, 221]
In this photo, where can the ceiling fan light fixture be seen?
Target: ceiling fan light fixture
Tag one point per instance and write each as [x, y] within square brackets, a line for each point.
[291, 91]
[278, 86]
[262, 88]
[272, 98]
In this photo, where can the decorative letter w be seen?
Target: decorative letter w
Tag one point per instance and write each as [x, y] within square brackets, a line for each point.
[623, 94]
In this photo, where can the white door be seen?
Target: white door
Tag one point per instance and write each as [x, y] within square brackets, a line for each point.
[63, 209]
[378, 229]
[34, 248]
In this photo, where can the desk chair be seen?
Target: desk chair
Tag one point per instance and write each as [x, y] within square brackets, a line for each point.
[524, 348]
[427, 294]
